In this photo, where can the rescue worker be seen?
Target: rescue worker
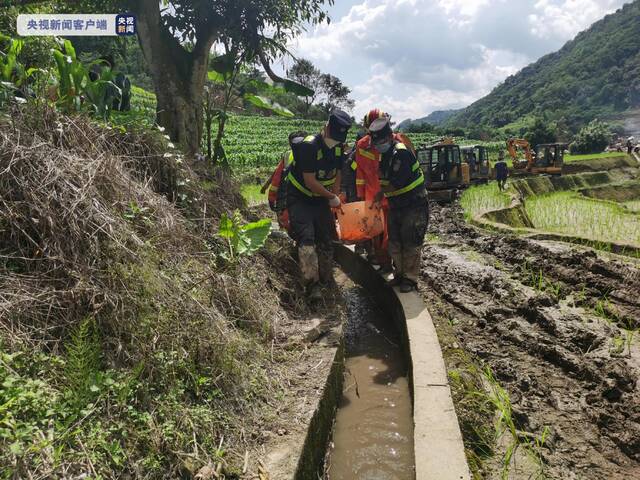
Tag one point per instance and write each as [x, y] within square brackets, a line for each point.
[629, 145]
[313, 185]
[366, 165]
[501, 170]
[402, 183]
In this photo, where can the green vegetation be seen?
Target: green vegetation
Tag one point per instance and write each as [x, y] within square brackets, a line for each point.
[251, 193]
[505, 424]
[572, 214]
[478, 199]
[243, 239]
[568, 158]
[593, 75]
[592, 138]
[633, 205]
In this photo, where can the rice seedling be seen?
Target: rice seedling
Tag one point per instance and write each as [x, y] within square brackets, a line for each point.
[569, 213]
[483, 198]
[633, 205]
[530, 443]
[592, 156]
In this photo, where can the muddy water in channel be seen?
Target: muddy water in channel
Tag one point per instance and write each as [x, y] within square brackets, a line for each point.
[373, 437]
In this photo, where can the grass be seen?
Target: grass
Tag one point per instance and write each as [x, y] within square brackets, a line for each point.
[633, 205]
[482, 198]
[251, 193]
[592, 156]
[572, 214]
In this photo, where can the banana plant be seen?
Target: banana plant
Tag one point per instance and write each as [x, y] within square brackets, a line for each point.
[72, 74]
[10, 68]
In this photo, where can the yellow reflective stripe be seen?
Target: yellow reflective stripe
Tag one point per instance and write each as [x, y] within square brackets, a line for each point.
[400, 146]
[384, 183]
[338, 151]
[415, 166]
[366, 154]
[291, 159]
[418, 181]
[361, 182]
[354, 165]
[297, 184]
[319, 156]
[306, 191]
[273, 188]
[309, 138]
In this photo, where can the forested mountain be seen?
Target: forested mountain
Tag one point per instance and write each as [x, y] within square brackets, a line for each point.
[597, 74]
[435, 118]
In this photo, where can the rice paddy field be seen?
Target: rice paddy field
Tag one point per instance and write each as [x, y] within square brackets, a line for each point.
[571, 213]
[482, 198]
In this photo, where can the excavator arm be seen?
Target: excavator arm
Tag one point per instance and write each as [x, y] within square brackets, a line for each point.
[512, 147]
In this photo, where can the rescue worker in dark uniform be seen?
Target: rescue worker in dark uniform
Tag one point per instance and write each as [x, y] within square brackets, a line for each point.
[312, 190]
[402, 183]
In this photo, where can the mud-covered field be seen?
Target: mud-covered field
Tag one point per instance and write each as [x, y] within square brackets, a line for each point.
[555, 323]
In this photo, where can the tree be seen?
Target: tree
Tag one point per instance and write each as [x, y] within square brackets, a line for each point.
[540, 132]
[176, 41]
[336, 93]
[305, 73]
[592, 138]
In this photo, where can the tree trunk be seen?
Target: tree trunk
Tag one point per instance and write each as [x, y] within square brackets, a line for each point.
[178, 76]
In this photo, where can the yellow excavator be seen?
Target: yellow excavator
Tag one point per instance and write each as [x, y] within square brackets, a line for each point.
[444, 171]
[546, 158]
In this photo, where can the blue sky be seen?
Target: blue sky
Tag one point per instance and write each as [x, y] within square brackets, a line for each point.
[410, 57]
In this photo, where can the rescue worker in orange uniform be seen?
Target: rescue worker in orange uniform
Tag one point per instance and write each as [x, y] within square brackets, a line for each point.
[366, 166]
[403, 186]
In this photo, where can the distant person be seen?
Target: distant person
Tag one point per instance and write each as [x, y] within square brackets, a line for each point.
[501, 171]
[629, 145]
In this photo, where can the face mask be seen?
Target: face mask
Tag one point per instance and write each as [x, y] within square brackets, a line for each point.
[383, 147]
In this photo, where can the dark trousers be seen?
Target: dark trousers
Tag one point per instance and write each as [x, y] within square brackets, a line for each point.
[313, 227]
[407, 228]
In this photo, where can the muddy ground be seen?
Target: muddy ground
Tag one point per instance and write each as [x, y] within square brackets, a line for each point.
[554, 323]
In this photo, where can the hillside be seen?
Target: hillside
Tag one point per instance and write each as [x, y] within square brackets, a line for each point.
[597, 74]
[437, 117]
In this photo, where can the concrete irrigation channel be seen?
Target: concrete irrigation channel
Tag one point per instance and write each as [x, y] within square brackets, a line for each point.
[399, 421]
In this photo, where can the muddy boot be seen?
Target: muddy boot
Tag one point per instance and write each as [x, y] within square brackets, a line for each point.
[325, 264]
[308, 260]
[411, 258]
[407, 285]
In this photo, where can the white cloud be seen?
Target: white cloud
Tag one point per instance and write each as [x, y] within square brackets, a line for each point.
[414, 56]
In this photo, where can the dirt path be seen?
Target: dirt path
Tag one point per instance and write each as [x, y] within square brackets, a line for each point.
[549, 320]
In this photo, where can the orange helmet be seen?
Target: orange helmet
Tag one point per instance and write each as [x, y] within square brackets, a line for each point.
[372, 115]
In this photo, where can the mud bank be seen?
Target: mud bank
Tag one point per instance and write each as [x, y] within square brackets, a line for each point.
[554, 323]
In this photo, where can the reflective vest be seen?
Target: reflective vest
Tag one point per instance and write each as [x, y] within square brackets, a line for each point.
[416, 179]
[367, 163]
[326, 177]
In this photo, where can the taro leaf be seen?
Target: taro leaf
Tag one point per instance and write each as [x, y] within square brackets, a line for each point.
[216, 77]
[225, 229]
[262, 102]
[297, 88]
[253, 235]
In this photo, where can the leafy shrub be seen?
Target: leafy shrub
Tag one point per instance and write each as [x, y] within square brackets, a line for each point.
[243, 239]
[592, 138]
[540, 132]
